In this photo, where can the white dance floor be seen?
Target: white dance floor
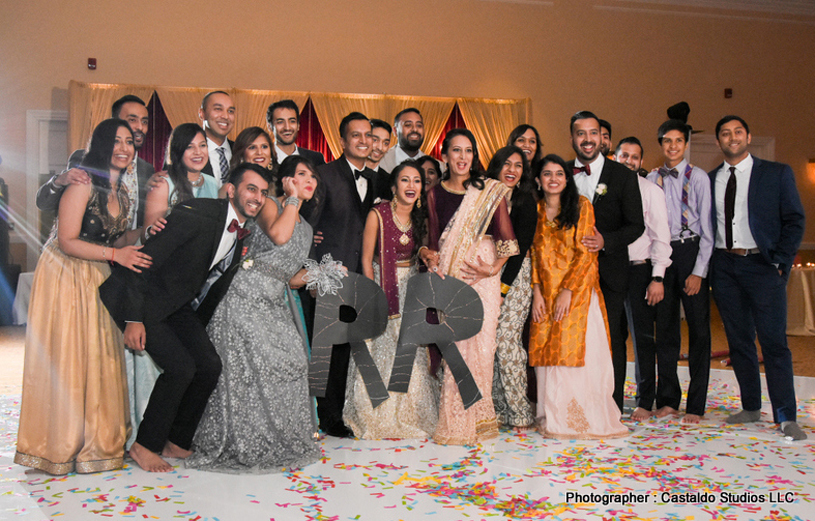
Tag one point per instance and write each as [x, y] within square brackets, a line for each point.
[663, 470]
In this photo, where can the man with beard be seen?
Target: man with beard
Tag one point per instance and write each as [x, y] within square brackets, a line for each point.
[758, 223]
[133, 110]
[605, 138]
[409, 128]
[380, 142]
[614, 192]
[154, 309]
[283, 120]
[217, 115]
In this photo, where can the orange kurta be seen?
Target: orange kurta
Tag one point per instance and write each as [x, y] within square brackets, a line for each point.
[560, 261]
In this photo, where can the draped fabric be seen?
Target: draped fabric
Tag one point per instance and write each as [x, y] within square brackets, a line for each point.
[89, 104]
[181, 104]
[491, 121]
[252, 106]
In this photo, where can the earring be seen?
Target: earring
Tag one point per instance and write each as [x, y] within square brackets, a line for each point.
[419, 203]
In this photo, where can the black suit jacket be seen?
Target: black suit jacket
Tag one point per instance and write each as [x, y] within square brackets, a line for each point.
[182, 254]
[339, 214]
[315, 157]
[618, 217]
[775, 213]
[48, 200]
[208, 167]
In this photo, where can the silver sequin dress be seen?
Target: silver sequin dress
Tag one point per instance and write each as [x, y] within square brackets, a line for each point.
[258, 419]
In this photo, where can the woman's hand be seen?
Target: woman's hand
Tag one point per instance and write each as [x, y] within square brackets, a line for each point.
[289, 186]
[538, 304]
[473, 272]
[131, 258]
[431, 260]
[562, 303]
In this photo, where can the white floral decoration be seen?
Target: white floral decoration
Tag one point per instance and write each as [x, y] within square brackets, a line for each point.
[325, 276]
[247, 264]
[601, 189]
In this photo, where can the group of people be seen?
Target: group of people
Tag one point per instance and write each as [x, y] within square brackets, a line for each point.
[201, 271]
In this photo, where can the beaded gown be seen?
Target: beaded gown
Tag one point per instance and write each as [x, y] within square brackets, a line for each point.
[258, 419]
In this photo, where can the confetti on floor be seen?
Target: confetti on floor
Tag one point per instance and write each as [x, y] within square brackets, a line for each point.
[662, 470]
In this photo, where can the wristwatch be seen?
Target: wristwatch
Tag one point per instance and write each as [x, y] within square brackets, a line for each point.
[657, 279]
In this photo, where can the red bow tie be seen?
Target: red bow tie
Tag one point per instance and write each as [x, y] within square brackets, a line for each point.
[235, 226]
[578, 169]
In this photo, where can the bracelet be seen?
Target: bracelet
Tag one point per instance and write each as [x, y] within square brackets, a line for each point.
[504, 289]
[492, 270]
[112, 254]
[104, 251]
[292, 200]
[147, 232]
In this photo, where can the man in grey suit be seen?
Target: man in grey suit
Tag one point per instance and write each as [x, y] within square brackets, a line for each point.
[133, 110]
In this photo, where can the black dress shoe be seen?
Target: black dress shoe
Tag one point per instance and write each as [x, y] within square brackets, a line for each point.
[338, 430]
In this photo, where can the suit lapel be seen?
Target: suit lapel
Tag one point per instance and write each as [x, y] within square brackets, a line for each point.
[348, 176]
[216, 236]
[604, 175]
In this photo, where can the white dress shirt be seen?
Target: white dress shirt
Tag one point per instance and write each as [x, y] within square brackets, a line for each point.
[742, 236]
[395, 156]
[361, 181]
[280, 155]
[215, 157]
[655, 242]
[228, 239]
[587, 184]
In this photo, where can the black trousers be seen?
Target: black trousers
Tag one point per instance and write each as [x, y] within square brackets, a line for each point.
[329, 408]
[618, 328]
[669, 332]
[179, 345]
[643, 321]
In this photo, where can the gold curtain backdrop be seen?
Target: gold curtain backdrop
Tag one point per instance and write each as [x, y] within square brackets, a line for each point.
[490, 120]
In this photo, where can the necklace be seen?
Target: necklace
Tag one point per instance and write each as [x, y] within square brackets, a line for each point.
[457, 192]
[553, 222]
[198, 182]
[404, 228]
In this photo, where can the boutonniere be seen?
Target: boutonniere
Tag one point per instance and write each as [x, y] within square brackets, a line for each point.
[377, 201]
[601, 189]
[247, 264]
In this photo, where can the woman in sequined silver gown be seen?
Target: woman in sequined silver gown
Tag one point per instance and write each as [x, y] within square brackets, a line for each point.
[259, 419]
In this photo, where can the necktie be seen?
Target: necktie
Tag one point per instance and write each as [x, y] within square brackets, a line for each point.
[578, 169]
[222, 162]
[235, 226]
[729, 208]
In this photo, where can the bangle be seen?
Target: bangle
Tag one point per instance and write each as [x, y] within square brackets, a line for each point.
[492, 270]
[292, 200]
[504, 289]
[104, 251]
[112, 254]
[147, 232]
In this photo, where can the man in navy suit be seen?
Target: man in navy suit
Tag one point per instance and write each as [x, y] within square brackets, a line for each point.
[758, 223]
[345, 195]
[615, 193]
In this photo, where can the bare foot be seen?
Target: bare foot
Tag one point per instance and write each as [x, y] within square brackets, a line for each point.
[148, 460]
[641, 414]
[692, 418]
[171, 450]
[665, 411]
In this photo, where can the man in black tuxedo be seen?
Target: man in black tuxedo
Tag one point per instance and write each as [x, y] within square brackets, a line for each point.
[380, 143]
[346, 193]
[758, 224]
[615, 193]
[283, 119]
[133, 110]
[217, 115]
[153, 308]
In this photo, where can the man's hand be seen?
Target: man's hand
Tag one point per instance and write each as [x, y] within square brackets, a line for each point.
[135, 336]
[693, 284]
[156, 180]
[654, 293]
[74, 176]
[594, 242]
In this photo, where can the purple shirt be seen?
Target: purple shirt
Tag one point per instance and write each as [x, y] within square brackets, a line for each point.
[699, 207]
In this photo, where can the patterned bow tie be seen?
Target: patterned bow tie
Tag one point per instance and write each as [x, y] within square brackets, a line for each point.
[235, 226]
[665, 171]
[578, 169]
